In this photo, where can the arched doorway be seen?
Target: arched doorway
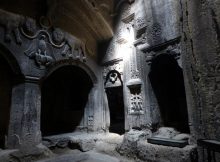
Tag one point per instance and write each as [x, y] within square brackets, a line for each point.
[64, 97]
[167, 81]
[114, 91]
[6, 84]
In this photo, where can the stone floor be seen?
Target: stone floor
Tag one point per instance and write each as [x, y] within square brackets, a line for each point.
[99, 147]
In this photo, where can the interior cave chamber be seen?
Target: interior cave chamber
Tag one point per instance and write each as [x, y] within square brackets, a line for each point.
[64, 98]
[6, 84]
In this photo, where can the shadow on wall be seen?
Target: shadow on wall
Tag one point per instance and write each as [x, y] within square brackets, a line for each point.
[64, 97]
[167, 81]
[6, 79]
[116, 108]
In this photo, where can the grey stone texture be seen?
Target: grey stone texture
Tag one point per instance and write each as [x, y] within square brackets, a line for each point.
[142, 31]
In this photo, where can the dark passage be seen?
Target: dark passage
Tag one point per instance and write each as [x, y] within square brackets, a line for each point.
[6, 79]
[116, 106]
[166, 78]
[64, 97]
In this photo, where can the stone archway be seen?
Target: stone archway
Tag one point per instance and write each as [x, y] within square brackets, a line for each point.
[65, 94]
[6, 84]
[167, 81]
[114, 92]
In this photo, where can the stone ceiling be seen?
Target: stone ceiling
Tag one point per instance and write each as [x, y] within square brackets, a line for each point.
[89, 20]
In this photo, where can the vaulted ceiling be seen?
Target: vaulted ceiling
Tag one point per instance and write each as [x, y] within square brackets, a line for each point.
[89, 20]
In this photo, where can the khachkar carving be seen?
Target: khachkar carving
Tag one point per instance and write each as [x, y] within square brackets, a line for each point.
[136, 104]
[136, 97]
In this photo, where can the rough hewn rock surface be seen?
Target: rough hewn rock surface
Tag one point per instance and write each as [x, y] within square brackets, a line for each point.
[201, 51]
[136, 146]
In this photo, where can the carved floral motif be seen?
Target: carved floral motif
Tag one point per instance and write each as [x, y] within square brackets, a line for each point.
[136, 104]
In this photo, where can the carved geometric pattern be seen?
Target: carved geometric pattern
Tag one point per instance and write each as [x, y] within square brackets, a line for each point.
[156, 31]
[140, 27]
[90, 120]
[136, 104]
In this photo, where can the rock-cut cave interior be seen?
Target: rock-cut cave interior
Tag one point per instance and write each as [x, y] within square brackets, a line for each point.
[109, 81]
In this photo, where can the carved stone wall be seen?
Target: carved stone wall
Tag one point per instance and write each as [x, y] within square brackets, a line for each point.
[35, 49]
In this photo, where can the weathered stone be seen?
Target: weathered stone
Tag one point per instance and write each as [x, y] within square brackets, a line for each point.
[129, 145]
[165, 132]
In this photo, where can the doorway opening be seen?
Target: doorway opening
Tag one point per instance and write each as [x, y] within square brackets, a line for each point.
[167, 81]
[6, 84]
[116, 108]
[64, 97]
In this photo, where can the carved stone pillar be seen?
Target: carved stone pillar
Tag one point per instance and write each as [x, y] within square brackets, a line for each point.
[24, 126]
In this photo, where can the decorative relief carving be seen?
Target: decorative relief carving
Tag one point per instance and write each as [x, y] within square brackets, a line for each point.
[140, 27]
[136, 97]
[156, 31]
[30, 26]
[140, 23]
[117, 66]
[40, 53]
[45, 42]
[90, 121]
[136, 104]
[135, 74]
[11, 23]
[113, 74]
[113, 79]
[173, 50]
